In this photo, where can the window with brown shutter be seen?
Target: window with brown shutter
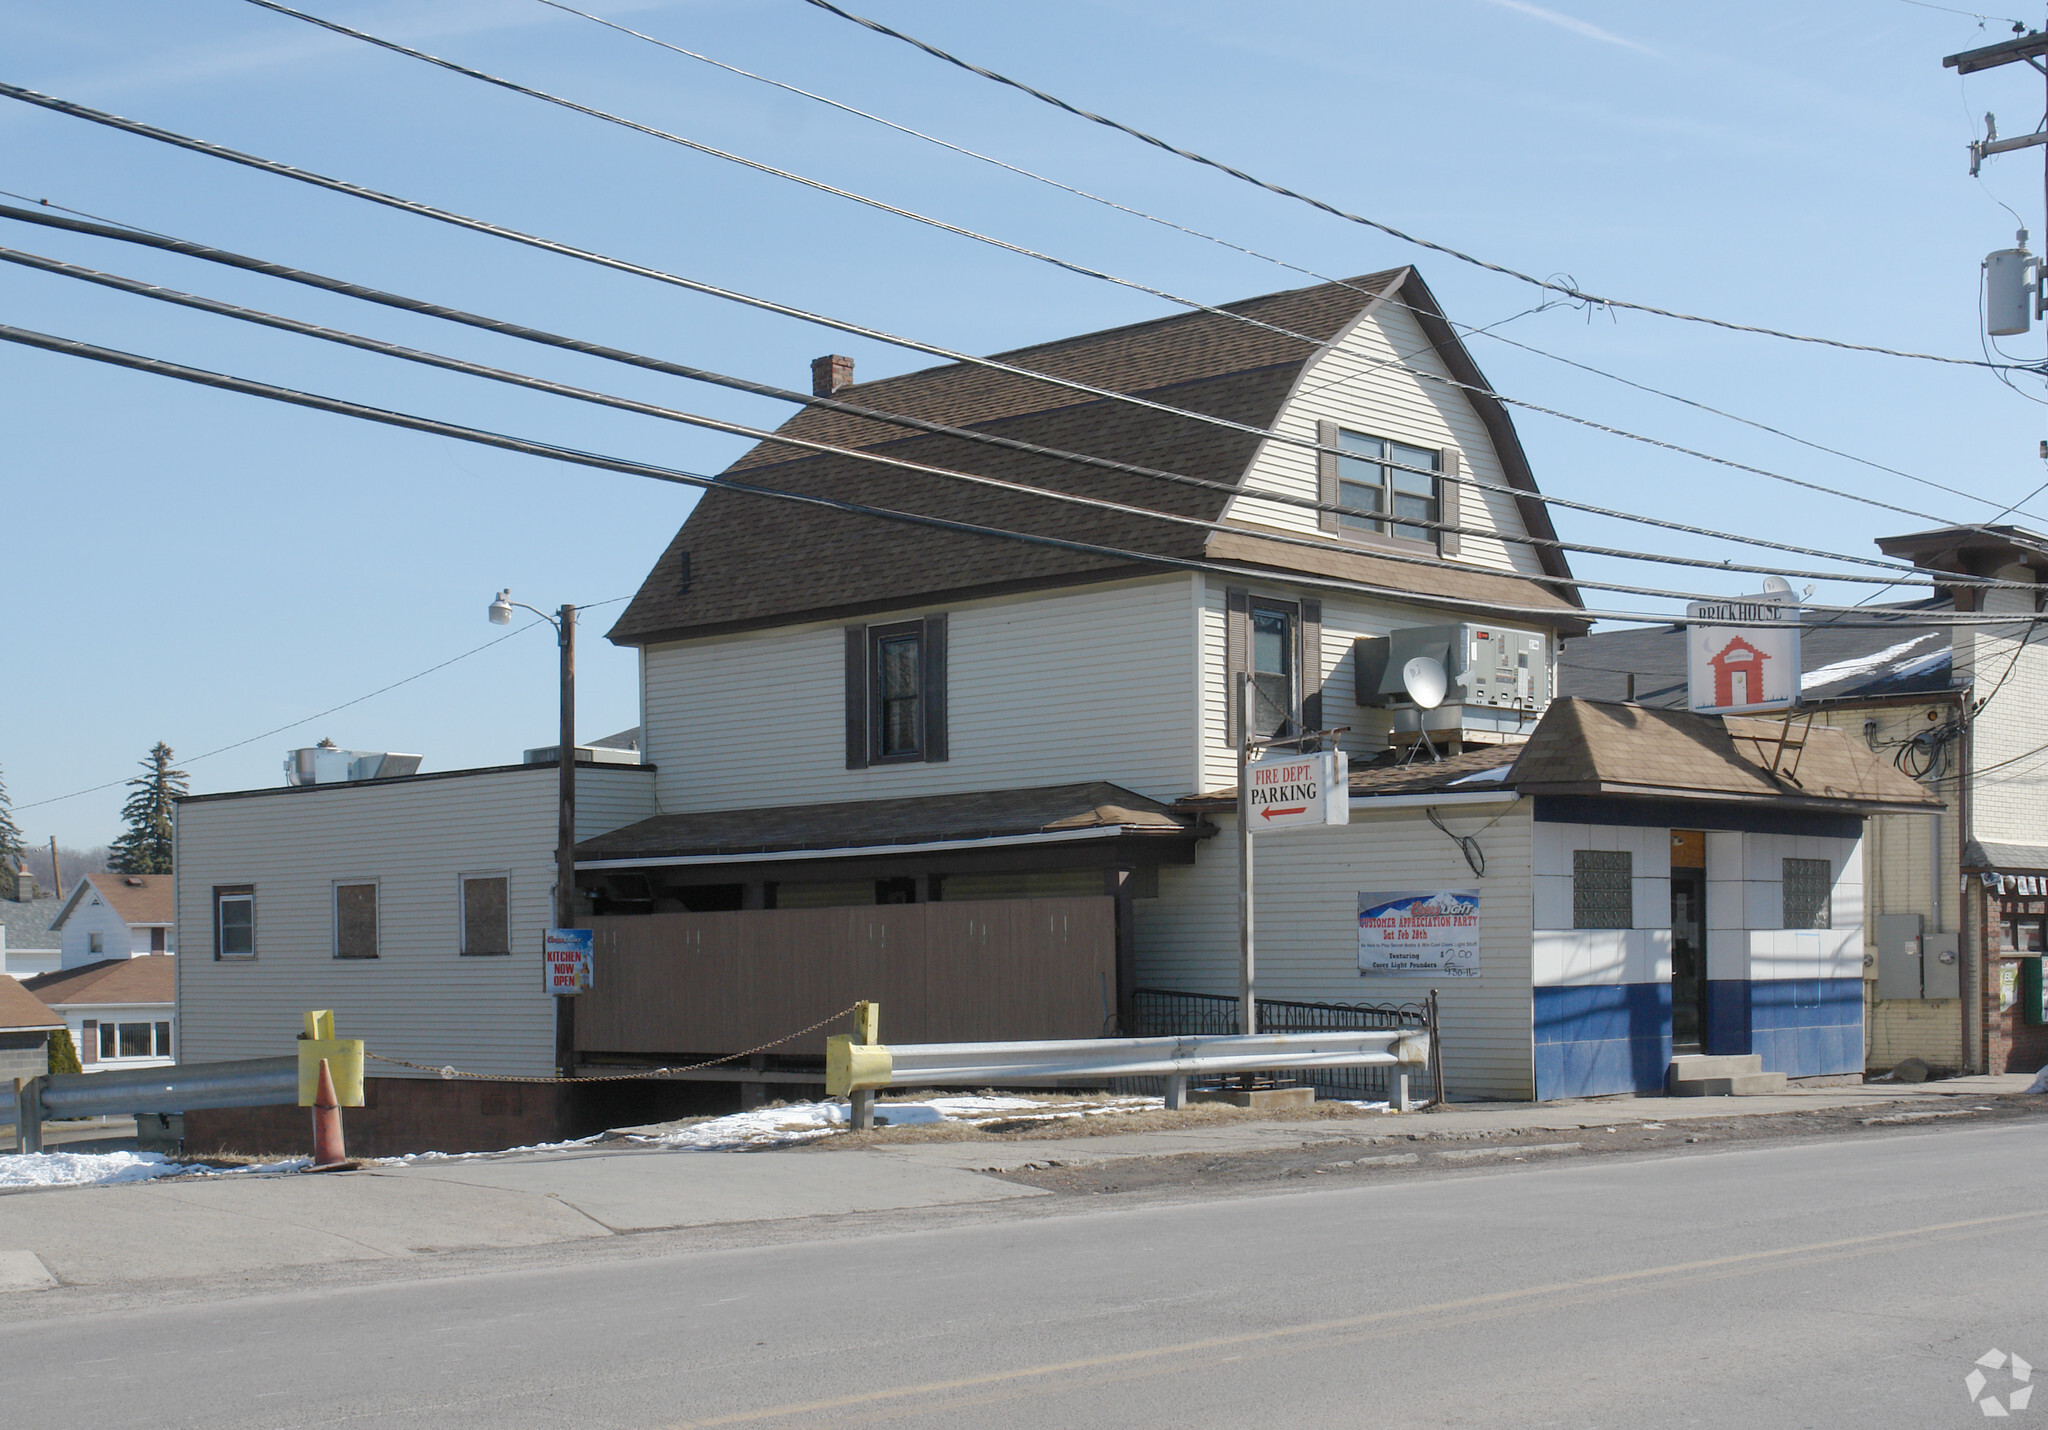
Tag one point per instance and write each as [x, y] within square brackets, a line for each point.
[1380, 481]
[896, 693]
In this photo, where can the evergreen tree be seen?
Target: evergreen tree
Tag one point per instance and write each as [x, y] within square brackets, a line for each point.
[11, 848]
[145, 848]
[63, 1053]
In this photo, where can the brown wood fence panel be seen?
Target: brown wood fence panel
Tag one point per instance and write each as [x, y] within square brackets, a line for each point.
[718, 983]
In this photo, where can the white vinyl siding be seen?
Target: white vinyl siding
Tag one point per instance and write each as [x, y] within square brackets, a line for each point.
[1306, 898]
[1345, 619]
[1355, 385]
[89, 919]
[419, 999]
[1054, 687]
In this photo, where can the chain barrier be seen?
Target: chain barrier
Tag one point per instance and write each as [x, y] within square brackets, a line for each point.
[453, 1072]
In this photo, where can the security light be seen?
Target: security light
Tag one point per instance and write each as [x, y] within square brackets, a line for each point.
[501, 609]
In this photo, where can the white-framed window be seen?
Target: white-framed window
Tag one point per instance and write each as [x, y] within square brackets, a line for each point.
[486, 914]
[134, 1040]
[234, 920]
[355, 918]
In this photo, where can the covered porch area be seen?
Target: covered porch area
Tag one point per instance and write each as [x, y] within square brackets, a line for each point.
[1002, 914]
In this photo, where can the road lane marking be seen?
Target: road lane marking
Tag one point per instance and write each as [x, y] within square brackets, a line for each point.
[1251, 1339]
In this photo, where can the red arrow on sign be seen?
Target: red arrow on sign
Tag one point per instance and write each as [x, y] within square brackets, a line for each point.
[1298, 809]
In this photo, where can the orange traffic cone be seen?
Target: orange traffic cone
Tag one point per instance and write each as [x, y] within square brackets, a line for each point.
[328, 1153]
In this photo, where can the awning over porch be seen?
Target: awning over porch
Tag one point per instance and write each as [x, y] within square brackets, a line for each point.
[1056, 814]
[1983, 856]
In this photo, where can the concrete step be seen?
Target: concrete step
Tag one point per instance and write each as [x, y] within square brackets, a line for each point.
[1690, 1067]
[1748, 1084]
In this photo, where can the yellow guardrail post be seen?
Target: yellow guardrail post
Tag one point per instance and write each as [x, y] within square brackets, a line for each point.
[344, 1061]
[855, 1066]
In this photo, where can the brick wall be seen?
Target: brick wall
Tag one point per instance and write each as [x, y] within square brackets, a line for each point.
[403, 1115]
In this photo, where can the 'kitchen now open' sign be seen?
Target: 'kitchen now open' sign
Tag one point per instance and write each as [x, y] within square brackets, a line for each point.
[1286, 791]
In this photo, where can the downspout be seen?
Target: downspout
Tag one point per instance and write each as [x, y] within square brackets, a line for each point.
[1976, 1059]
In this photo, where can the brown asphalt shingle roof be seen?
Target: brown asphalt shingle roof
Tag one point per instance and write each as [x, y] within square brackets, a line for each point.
[744, 560]
[985, 814]
[1597, 747]
[146, 978]
[137, 898]
[22, 1011]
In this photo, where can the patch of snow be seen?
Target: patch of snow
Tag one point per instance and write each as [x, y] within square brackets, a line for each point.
[1865, 664]
[414, 1158]
[86, 1169]
[807, 1121]
[1494, 776]
[2040, 1082]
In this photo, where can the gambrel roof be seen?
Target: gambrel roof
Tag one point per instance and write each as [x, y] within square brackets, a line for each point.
[744, 561]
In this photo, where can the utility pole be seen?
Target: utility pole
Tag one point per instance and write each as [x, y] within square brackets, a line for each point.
[2029, 49]
[1247, 984]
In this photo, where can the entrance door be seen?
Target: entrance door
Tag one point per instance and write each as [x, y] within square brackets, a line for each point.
[1688, 941]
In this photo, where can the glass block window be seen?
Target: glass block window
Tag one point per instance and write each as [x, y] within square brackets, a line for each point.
[1603, 889]
[1809, 886]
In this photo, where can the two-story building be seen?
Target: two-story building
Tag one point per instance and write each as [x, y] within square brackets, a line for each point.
[933, 687]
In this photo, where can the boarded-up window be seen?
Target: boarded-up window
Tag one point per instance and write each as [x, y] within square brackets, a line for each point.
[486, 913]
[355, 920]
[1809, 886]
[1603, 889]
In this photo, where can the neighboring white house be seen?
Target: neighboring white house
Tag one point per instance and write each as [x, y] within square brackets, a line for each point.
[117, 916]
[28, 946]
[122, 1012]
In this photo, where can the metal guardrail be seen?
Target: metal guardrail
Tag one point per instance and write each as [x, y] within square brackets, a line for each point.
[251, 1082]
[1159, 1012]
[1024, 1064]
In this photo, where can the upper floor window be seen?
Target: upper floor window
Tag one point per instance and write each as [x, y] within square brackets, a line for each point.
[1603, 889]
[896, 693]
[234, 921]
[95, 942]
[1389, 488]
[355, 920]
[486, 914]
[1809, 893]
[1272, 667]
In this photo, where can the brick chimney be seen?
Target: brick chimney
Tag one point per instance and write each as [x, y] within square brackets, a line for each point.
[830, 373]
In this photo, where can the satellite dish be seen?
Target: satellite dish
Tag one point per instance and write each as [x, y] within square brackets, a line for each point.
[1425, 682]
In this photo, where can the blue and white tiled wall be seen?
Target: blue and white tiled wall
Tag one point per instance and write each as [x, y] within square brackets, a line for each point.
[1792, 996]
[1602, 997]
[1601, 1001]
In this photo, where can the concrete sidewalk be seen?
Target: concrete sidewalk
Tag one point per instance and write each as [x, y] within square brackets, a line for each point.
[244, 1223]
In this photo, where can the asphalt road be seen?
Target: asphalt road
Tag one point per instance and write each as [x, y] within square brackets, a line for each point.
[1828, 1282]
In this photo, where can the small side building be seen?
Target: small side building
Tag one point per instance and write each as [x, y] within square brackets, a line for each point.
[25, 1028]
[1644, 886]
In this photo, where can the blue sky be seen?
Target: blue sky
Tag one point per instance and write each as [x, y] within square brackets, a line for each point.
[200, 567]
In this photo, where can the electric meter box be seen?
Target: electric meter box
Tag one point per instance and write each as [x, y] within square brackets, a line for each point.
[1496, 666]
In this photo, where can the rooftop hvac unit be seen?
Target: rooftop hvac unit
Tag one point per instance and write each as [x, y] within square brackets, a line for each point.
[325, 765]
[1487, 666]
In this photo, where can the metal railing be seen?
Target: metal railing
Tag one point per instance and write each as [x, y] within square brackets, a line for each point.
[250, 1082]
[1160, 1013]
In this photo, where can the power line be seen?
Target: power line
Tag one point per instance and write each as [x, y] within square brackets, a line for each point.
[1464, 329]
[1067, 264]
[482, 437]
[1569, 290]
[192, 249]
[323, 714]
[210, 149]
[452, 364]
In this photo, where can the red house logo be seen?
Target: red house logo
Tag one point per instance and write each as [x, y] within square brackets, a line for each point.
[1738, 673]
